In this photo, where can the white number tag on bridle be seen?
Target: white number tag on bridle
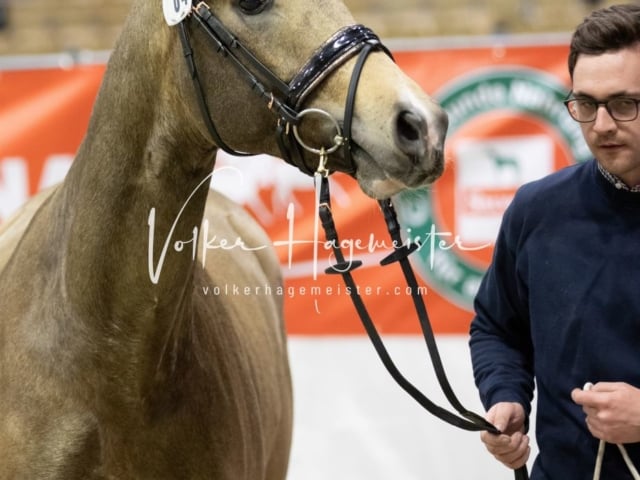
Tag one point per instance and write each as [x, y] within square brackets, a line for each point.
[175, 10]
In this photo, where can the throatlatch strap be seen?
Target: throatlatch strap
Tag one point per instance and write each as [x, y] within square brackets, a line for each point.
[467, 419]
[202, 102]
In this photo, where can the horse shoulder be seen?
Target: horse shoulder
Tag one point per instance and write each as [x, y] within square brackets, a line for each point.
[12, 230]
[245, 239]
[248, 280]
[243, 272]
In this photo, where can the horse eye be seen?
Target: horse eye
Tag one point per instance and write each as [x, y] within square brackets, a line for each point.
[253, 7]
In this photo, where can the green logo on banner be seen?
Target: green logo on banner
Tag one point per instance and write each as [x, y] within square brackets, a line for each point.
[488, 170]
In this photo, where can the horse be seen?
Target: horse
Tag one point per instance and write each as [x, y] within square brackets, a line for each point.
[114, 363]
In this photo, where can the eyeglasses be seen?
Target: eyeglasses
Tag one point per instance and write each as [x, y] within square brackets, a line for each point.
[585, 110]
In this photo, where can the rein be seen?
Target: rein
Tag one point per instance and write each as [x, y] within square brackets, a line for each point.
[285, 101]
[466, 419]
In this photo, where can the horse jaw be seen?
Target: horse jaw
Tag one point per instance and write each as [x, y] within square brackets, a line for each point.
[398, 132]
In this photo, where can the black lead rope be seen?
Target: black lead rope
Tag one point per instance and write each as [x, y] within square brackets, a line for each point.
[466, 419]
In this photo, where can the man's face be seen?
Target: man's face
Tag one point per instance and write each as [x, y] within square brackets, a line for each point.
[615, 144]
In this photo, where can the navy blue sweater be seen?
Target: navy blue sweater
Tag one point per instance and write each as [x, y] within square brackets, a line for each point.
[561, 304]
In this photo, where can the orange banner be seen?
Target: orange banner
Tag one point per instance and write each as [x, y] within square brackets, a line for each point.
[507, 126]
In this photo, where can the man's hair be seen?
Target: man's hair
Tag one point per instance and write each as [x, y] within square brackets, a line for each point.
[606, 30]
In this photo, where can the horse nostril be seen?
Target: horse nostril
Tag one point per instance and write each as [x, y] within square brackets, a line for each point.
[411, 133]
[408, 126]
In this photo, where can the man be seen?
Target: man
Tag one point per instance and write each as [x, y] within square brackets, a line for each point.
[560, 302]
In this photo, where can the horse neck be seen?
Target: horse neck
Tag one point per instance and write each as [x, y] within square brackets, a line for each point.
[137, 158]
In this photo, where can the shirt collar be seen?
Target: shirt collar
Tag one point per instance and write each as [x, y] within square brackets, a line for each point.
[616, 182]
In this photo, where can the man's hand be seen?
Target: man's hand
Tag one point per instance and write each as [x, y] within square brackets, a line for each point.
[512, 446]
[612, 410]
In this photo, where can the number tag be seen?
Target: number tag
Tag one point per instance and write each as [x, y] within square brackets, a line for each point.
[175, 10]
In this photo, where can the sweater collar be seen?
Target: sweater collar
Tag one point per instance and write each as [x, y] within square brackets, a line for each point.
[623, 198]
[616, 182]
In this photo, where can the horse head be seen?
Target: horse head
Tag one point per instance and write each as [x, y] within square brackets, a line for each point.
[387, 132]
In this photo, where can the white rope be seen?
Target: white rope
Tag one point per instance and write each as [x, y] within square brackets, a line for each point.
[598, 468]
[630, 465]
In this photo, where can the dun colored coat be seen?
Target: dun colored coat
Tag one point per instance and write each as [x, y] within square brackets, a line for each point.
[114, 363]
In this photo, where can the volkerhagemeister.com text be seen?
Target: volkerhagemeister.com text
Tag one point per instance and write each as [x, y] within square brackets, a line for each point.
[312, 291]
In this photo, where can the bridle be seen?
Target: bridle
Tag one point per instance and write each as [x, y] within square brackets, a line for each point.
[285, 100]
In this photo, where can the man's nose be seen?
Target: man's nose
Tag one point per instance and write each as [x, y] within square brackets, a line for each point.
[604, 121]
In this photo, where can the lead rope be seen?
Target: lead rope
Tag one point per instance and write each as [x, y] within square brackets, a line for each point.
[600, 457]
[468, 420]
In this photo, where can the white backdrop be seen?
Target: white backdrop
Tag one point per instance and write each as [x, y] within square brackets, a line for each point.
[352, 422]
